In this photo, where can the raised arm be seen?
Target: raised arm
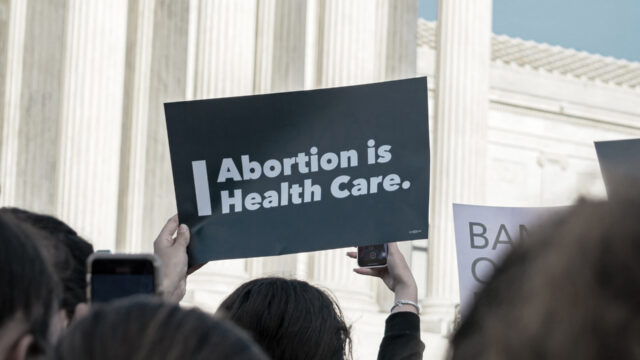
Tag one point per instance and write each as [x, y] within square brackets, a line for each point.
[402, 328]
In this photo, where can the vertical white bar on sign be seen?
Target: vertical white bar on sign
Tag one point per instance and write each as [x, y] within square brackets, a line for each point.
[201, 182]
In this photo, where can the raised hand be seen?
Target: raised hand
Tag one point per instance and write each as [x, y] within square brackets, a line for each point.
[172, 251]
[396, 275]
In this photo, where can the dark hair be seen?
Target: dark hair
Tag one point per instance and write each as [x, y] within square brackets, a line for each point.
[146, 328]
[290, 319]
[69, 253]
[571, 291]
[27, 287]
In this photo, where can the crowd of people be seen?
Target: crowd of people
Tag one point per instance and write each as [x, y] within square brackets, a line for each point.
[44, 311]
[567, 292]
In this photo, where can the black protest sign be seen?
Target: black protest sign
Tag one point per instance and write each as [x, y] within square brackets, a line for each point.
[620, 165]
[301, 171]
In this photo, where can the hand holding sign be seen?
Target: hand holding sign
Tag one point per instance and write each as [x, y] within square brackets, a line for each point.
[172, 251]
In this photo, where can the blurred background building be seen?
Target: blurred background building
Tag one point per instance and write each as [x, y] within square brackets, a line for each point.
[82, 83]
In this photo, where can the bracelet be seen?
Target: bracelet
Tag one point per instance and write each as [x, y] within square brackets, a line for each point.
[405, 302]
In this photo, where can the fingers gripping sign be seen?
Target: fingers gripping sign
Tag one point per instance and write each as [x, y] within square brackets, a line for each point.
[171, 247]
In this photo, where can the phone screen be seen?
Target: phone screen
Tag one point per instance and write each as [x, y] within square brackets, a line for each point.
[372, 255]
[117, 278]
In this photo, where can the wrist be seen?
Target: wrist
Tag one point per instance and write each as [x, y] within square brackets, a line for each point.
[406, 292]
[405, 306]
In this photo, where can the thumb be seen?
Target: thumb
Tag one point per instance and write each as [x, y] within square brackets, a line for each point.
[395, 255]
[165, 238]
[184, 236]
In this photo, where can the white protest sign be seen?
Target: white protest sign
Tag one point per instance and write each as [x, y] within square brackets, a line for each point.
[484, 234]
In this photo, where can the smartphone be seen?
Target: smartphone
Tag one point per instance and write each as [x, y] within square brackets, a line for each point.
[114, 276]
[372, 256]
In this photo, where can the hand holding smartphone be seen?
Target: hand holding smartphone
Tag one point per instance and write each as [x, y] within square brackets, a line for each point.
[396, 275]
[114, 276]
[372, 256]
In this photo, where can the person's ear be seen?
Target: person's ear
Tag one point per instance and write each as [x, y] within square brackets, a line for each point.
[21, 348]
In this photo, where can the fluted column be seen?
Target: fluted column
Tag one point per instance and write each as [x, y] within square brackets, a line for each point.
[280, 50]
[345, 45]
[156, 69]
[401, 39]
[459, 142]
[346, 54]
[13, 41]
[4, 43]
[222, 64]
[279, 66]
[36, 35]
[225, 48]
[91, 118]
[133, 164]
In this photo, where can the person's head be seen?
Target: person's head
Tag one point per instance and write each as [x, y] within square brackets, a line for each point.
[68, 253]
[29, 292]
[146, 328]
[571, 290]
[290, 319]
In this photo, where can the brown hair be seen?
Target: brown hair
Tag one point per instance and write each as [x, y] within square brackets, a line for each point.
[290, 319]
[146, 328]
[68, 252]
[27, 286]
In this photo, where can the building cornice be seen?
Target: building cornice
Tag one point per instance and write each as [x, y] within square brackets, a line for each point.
[552, 59]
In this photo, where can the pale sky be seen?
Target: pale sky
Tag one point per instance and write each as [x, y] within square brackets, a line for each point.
[605, 27]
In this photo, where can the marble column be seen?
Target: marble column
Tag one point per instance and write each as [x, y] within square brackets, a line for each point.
[363, 41]
[356, 42]
[345, 46]
[13, 51]
[222, 61]
[459, 143]
[346, 54]
[280, 66]
[32, 104]
[225, 48]
[400, 40]
[133, 169]
[156, 69]
[91, 118]
[4, 43]
[280, 45]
